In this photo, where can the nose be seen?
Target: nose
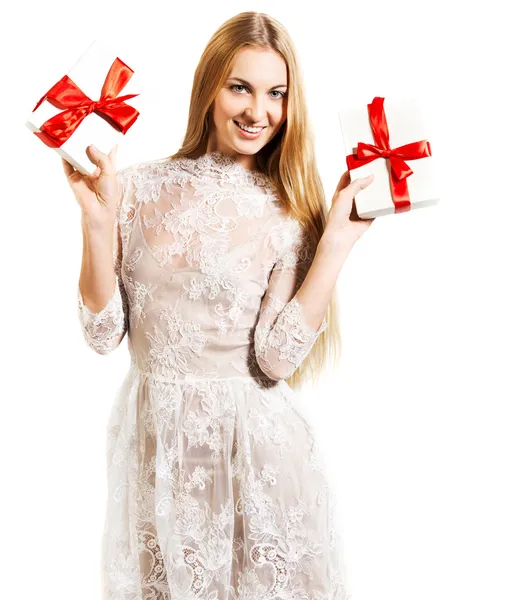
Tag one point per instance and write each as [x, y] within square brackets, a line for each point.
[256, 109]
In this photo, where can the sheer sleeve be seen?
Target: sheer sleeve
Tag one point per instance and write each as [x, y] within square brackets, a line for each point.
[104, 330]
[282, 338]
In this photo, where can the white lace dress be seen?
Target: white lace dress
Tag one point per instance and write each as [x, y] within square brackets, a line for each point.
[215, 488]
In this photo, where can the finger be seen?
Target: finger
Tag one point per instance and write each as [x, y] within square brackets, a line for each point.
[343, 182]
[357, 185]
[99, 158]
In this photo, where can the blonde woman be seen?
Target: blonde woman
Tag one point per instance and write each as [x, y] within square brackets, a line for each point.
[225, 262]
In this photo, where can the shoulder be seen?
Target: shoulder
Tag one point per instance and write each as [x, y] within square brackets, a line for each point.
[141, 169]
[146, 178]
[146, 174]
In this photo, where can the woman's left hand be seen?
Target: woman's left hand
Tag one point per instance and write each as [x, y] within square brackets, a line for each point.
[343, 221]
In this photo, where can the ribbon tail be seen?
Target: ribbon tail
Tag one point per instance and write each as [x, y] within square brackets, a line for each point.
[61, 126]
[47, 139]
[400, 194]
[400, 168]
[40, 101]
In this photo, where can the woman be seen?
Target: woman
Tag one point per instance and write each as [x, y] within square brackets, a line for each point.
[215, 486]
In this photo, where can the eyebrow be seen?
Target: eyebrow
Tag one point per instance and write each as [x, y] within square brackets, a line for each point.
[249, 85]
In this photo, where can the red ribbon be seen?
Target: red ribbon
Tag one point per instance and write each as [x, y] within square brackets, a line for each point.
[65, 94]
[399, 169]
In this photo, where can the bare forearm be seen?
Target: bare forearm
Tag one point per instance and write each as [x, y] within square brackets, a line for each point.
[317, 288]
[97, 275]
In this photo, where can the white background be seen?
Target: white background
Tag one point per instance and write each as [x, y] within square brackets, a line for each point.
[415, 425]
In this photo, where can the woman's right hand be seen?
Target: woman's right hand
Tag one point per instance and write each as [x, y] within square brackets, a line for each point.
[97, 194]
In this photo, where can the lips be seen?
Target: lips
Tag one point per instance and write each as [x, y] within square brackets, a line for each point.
[246, 125]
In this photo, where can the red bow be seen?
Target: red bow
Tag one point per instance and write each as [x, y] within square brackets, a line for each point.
[399, 169]
[67, 95]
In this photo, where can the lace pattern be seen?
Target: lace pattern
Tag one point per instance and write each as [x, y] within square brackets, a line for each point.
[198, 216]
[216, 488]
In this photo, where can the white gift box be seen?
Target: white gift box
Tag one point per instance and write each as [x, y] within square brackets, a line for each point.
[407, 123]
[89, 74]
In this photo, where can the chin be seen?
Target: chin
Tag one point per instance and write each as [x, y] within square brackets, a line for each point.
[242, 148]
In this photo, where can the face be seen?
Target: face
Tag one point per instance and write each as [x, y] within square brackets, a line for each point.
[253, 95]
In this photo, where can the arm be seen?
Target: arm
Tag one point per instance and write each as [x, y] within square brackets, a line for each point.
[293, 310]
[101, 297]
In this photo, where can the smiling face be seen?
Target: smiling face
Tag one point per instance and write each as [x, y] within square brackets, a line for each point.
[253, 95]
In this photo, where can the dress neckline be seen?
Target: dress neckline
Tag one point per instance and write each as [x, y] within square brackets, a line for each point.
[225, 167]
[221, 159]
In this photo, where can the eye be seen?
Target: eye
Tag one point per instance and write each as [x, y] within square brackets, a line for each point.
[239, 85]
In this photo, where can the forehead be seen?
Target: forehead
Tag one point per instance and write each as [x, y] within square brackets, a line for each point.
[260, 67]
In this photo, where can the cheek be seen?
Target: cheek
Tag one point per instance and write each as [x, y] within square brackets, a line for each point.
[227, 104]
[279, 115]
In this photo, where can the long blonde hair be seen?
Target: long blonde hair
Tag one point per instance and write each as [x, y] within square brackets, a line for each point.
[288, 159]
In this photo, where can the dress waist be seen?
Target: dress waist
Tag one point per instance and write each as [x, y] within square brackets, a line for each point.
[145, 374]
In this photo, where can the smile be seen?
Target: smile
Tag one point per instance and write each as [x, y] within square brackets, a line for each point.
[249, 129]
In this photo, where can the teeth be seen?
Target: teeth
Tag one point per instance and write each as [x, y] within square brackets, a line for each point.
[249, 129]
